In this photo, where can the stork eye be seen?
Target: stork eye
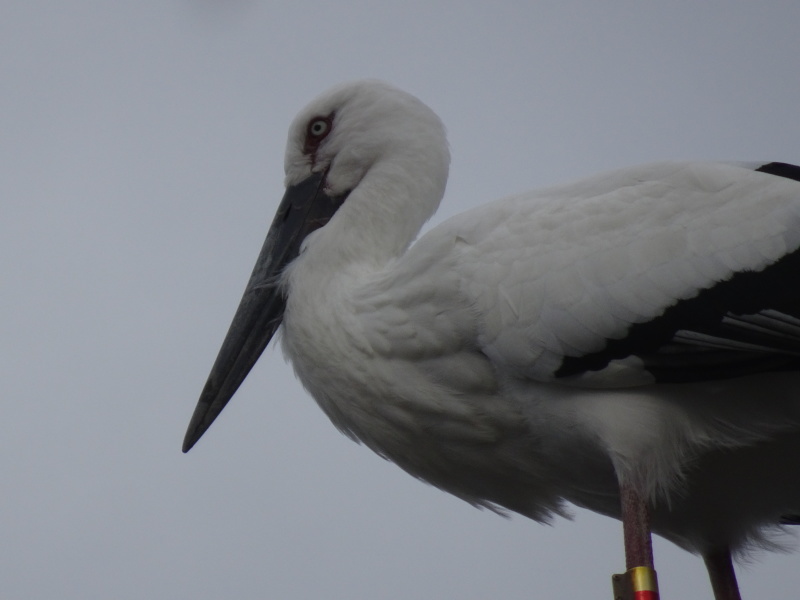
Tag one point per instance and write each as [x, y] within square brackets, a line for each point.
[319, 128]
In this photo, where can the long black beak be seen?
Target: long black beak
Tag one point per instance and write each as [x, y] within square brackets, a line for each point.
[305, 207]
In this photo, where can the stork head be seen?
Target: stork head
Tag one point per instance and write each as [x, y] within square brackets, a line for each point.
[380, 147]
[351, 127]
[365, 163]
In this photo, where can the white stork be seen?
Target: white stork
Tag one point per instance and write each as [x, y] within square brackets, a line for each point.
[628, 343]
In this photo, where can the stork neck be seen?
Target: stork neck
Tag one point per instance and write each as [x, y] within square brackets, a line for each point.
[380, 218]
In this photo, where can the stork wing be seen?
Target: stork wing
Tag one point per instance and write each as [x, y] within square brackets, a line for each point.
[672, 272]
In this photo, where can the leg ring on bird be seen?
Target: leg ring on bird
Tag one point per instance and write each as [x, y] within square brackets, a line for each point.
[638, 583]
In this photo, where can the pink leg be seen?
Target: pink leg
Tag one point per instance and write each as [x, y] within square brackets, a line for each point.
[722, 575]
[636, 529]
[639, 581]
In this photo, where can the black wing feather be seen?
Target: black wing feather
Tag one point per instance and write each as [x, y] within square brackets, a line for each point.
[749, 323]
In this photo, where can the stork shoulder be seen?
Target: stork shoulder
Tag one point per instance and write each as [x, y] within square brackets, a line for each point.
[562, 273]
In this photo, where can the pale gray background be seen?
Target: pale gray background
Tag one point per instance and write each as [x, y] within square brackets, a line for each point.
[141, 148]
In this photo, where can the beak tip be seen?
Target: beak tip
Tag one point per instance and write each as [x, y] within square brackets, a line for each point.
[187, 445]
[197, 426]
[188, 442]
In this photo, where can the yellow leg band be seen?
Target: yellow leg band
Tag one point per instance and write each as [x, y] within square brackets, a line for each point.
[643, 583]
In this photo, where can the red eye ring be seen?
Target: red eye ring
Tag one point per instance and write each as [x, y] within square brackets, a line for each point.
[317, 130]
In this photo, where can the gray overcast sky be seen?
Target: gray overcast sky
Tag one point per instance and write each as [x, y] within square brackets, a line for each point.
[141, 153]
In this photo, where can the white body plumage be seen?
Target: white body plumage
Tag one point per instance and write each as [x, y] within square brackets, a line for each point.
[636, 326]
